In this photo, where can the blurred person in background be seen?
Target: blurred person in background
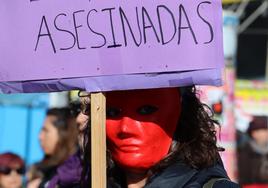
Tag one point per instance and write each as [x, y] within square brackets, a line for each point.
[11, 170]
[58, 139]
[69, 173]
[81, 109]
[253, 156]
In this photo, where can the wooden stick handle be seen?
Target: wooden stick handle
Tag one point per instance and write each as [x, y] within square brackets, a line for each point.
[98, 140]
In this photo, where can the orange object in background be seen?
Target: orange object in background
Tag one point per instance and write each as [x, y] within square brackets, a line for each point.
[256, 186]
[217, 108]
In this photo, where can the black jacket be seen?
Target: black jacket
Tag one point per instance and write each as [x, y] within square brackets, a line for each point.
[48, 173]
[180, 175]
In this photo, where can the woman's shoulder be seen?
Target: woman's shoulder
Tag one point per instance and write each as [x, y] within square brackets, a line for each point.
[182, 175]
[225, 184]
[212, 177]
[214, 183]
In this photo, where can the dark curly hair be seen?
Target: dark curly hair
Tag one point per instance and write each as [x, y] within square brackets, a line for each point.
[194, 142]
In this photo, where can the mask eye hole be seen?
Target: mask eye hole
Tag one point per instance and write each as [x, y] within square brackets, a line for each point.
[147, 110]
[113, 112]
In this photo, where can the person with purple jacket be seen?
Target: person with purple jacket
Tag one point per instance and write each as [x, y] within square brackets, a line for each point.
[58, 139]
[69, 173]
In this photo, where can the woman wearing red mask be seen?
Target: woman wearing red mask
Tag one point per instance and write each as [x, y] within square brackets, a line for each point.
[161, 138]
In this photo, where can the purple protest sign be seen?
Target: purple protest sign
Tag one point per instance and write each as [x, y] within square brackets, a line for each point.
[116, 82]
[48, 39]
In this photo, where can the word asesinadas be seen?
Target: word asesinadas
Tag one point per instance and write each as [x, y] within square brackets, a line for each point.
[143, 23]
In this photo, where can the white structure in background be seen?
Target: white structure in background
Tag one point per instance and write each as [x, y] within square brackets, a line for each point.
[230, 23]
[58, 99]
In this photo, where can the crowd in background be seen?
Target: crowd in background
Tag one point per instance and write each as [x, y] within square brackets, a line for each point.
[58, 139]
[252, 153]
[62, 134]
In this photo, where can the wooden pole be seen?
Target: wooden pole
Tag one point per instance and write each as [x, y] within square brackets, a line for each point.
[98, 140]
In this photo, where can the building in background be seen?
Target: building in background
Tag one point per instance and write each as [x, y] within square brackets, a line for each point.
[21, 118]
[245, 92]
[221, 100]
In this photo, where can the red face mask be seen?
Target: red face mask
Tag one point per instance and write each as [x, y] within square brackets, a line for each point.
[140, 125]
